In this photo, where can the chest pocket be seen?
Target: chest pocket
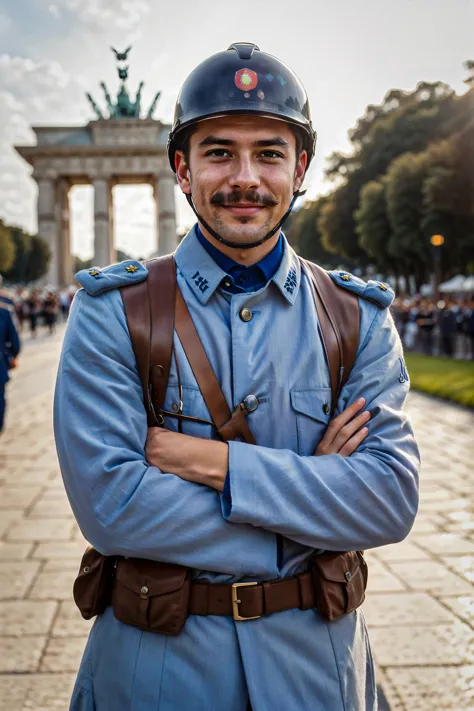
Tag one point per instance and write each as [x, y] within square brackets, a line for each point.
[312, 407]
[193, 407]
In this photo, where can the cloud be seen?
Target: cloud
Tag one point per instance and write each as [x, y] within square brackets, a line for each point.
[103, 16]
[30, 92]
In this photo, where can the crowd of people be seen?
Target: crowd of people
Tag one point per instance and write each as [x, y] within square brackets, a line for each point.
[41, 307]
[445, 328]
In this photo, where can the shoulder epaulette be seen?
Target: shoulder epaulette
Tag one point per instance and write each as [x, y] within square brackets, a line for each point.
[96, 280]
[376, 291]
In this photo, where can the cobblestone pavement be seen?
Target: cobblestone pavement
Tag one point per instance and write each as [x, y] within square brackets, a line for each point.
[420, 603]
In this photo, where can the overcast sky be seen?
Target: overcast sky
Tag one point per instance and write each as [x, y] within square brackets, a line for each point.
[348, 53]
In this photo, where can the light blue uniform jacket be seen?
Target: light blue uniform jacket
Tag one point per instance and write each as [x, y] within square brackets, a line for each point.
[285, 502]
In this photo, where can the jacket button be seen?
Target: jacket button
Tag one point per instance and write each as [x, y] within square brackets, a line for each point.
[144, 590]
[246, 314]
[251, 403]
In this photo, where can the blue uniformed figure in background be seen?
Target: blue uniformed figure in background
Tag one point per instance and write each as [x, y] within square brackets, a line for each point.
[240, 146]
[9, 348]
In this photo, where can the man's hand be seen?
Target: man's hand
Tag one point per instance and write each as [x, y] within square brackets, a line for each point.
[344, 433]
[203, 461]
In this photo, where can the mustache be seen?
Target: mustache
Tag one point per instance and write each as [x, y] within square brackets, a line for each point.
[236, 196]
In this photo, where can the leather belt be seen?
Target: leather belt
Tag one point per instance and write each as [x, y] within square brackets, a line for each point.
[249, 601]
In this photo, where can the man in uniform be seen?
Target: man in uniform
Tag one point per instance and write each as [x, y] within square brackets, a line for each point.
[9, 346]
[235, 512]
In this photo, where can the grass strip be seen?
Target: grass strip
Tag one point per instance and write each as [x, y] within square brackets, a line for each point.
[443, 377]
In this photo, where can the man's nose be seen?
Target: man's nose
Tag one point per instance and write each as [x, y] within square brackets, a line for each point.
[245, 174]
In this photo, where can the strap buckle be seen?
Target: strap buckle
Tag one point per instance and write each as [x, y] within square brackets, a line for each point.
[236, 602]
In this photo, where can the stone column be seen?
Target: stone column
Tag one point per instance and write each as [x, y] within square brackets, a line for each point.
[103, 237]
[166, 213]
[66, 271]
[48, 228]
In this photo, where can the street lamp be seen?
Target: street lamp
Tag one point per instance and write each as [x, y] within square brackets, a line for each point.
[437, 242]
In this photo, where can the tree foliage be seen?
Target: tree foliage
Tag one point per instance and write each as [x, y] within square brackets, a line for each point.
[7, 248]
[408, 176]
[31, 259]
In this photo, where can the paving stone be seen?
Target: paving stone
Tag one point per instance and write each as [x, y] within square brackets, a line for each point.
[381, 579]
[21, 654]
[69, 621]
[446, 544]
[16, 578]
[15, 551]
[449, 505]
[431, 577]
[41, 530]
[463, 607]
[24, 617]
[463, 566]
[434, 688]
[18, 496]
[8, 519]
[61, 549]
[63, 655]
[55, 585]
[51, 507]
[442, 644]
[61, 564]
[401, 551]
[35, 692]
[391, 609]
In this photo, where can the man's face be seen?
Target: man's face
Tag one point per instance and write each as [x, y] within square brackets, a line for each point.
[242, 174]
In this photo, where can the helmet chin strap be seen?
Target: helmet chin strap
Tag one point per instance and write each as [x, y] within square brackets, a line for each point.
[239, 245]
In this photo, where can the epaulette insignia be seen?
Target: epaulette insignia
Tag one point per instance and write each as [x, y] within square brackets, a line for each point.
[375, 291]
[96, 280]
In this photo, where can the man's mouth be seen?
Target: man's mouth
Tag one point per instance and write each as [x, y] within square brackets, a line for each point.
[242, 208]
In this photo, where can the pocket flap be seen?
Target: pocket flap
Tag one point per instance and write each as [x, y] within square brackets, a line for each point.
[337, 567]
[313, 402]
[159, 578]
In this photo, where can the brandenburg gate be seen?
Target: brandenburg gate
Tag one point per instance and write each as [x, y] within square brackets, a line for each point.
[118, 148]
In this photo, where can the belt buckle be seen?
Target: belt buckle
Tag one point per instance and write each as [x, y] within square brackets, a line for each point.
[236, 602]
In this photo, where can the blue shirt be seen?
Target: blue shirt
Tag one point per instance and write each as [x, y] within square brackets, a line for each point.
[241, 279]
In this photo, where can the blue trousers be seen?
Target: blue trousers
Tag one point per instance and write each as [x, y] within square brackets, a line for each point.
[2, 405]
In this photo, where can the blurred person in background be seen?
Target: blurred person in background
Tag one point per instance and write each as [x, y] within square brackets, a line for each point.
[9, 349]
[33, 310]
[426, 322]
[50, 309]
[448, 326]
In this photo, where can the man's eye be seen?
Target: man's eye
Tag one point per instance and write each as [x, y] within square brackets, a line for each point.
[271, 154]
[218, 153]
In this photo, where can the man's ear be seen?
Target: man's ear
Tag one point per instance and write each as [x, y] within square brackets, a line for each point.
[183, 174]
[300, 170]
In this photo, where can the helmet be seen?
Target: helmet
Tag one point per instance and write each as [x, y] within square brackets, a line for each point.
[242, 80]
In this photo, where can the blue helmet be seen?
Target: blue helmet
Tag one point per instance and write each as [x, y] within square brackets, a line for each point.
[242, 80]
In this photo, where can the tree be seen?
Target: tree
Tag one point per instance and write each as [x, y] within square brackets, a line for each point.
[38, 261]
[303, 233]
[22, 242]
[7, 248]
[373, 225]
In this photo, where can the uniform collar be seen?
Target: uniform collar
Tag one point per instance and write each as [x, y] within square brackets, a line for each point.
[264, 270]
[203, 275]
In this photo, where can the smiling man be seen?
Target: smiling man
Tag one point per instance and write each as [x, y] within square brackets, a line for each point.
[268, 532]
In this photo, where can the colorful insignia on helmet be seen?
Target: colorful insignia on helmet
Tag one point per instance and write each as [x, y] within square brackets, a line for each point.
[382, 286]
[94, 272]
[345, 277]
[245, 79]
[131, 269]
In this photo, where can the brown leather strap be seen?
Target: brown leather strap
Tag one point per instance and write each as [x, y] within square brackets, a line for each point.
[135, 301]
[162, 290]
[149, 309]
[255, 600]
[229, 425]
[338, 313]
